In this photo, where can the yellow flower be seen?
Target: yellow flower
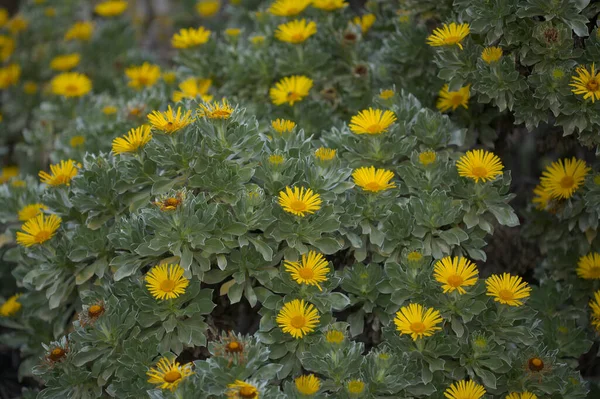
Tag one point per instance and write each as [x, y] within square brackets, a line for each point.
[288, 8]
[18, 183]
[38, 230]
[50, 12]
[233, 32]
[169, 373]
[403, 15]
[312, 270]
[208, 8]
[111, 8]
[464, 390]
[17, 24]
[142, 76]
[30, 87]
[414, 256]
[373, 180]
[427, 157]
[300, 201]
[132, 141]
[507, 289]
[298, 318]
[453, 99]
[588, 266]
[290, 90]
[307, 384]
[325, 154]
[166, 281]
[61, 173]
[542, 197]
[365, 22]
[586, 83]
[564, 177]
[241, 390]
[295, 31]
[355, 387]
[449, 35]
[169, 77]
[11, 306]
[65, 62]
[491, 54]
[257, 40]
[9, 75]
[595, 307]
[216, 110]
[479, 165]
[334, 337]
[192, 88]
[372, 121]
[169, 122]
[329, 5]
[3, 16]
[190, 37]
[7, 47]
[8, 173]
[81, 30]
[276, 159]
[109, 110]
[386, 94]
[454, 273]
[31, 211]
[283, 125]
[71, 84]
[416, 322]
[522, 395]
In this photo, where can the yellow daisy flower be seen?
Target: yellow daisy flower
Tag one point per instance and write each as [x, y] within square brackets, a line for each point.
[479, 165]
[290, 90]
[109, 110]
[168, 374]
[65, 62]
[170, 122]
[7, 47]
[464, 390]
[491, 54]
[30, 87]
[542, 197]
[38, 230]
[233, 32]
[77, 141]
[132, 141]
[325, 154]
[386, 94]
[71, 84]
[283, 125]
[169, 77]
[60, 173]
[9, 75]
[329, 5]
[595, 307]
[454, 273]
[257, 40]
[142, 76]
[449, 35]
[334, 337]
[588, 266]
[288, 8]
[166, 281]
[415, 321]
[372, 121]
[522, 395]
[414, 256]
[3, 16]
[300, 201]
[216, 110]
[17, 24]
[373, 180]
[311, 270]
[8, 173]
[453, 99]
[507, 289]
[587, 82]
[208, 8]
[242, 390]
[11, 306]
[296, 31]
[81, 30]
[564, 177]
[365, 22]
[192, 88]
[355, 387]
[31, 211]
[276, 159]
[111, 8]
[298, 318]
[427, 158]
[307, 384]
[190, 37]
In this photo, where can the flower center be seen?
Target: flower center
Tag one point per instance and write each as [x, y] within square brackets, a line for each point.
[292, 11]
[592, 85]
[595, 272]
[455, 281]
[507, 295]
[536, 364]
[374, 128]
[56, 354]
[306, 273]
[298, 321]
[567, 182]
[71, 88]
[298, 37]
[167, 285]
[293, 96]
[456, 100]
[247, 392]
[417, 327]
[298, 206]
[234, 346]
[373, 186]
[220, 114]
[452, 39]
[42, 236]
[95, 310]
[479, 171]
[172, 376]
[143, 80]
